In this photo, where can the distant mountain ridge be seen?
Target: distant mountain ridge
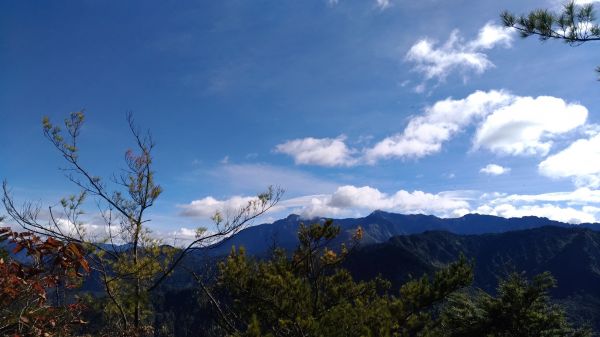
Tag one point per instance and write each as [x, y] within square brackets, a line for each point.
[572, 255]
[380, 226]
[399, 247]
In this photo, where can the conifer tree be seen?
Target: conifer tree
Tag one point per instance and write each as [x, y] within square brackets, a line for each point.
[520, 308]
[574, 25]
[309, 294]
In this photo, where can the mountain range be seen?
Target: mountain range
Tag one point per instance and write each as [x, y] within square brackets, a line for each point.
[572, 255]
[380, 226]
[399, 247]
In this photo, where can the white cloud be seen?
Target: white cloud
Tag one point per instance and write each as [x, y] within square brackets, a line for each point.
[312, 206]
[580, 205]
[511, 125]
[581, 196]
[315, 151]
[180, 237]
[383, 4]
[184, 233]
[346, 200]
[494, 170]
[491, 35]
[506, 124]
[354, 201]
[208, 206]
[425, 134]
[550, 211]
[184, 236]
[403, 201]
[579, 161]
[91, 229]
[457, 54]
[527, 125]
[420, 88]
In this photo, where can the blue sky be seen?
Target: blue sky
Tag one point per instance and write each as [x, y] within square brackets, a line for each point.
[350, 106]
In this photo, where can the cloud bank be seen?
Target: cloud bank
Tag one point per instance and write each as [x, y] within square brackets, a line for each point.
[506, 124]
[580, 161]
[581, 205]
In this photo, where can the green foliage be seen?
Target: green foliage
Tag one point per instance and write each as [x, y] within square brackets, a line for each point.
[574, 25]
[128, 274]
[521, 308]
[125, 273]
[127, 259]
[310, 295]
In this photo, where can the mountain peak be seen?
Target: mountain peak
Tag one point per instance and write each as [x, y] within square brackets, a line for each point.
[378, 212]
[292, 217]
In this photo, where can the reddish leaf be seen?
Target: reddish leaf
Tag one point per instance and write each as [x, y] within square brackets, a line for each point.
[18, 248]
[84, 264]
[53, 242]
